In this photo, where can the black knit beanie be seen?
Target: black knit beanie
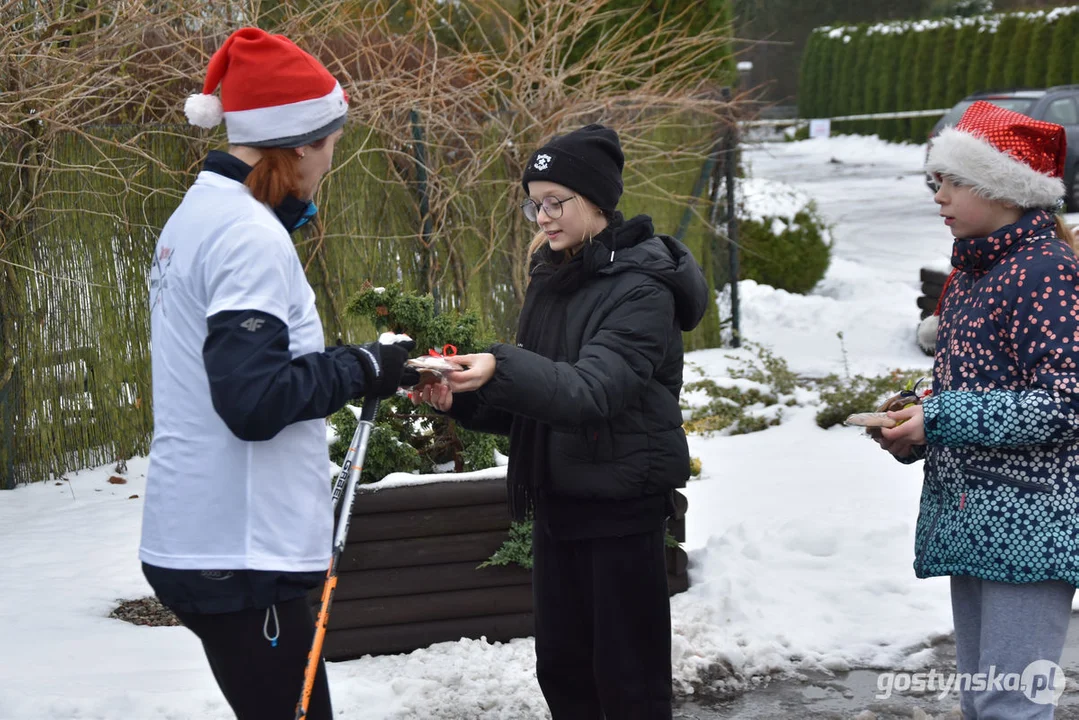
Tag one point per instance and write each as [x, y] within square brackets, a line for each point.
[588, 161]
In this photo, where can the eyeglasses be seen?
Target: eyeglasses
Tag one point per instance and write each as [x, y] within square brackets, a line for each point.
[551, 205]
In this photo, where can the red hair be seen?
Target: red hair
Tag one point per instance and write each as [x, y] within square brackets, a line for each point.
[275, 175]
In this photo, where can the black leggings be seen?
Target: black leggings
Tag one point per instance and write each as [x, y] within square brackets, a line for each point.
[260, 681]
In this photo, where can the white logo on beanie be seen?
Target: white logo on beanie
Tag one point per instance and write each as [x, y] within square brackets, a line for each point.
[542, 162]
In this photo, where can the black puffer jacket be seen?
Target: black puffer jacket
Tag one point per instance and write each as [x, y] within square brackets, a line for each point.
[589, 396]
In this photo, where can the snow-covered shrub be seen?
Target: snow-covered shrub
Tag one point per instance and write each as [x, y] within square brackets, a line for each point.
[845, 396]
[750, 399]
[727, 409]
[784, 241]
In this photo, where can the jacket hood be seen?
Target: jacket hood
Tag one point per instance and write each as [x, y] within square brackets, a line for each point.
[633, 246]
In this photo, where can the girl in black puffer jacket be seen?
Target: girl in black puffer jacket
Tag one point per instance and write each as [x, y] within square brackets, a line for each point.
[589, 398]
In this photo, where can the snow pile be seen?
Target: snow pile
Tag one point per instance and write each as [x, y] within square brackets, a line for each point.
[762, 200]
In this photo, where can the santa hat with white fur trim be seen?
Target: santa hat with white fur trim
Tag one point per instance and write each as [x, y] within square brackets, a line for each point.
[1003, 156]
[273, 94]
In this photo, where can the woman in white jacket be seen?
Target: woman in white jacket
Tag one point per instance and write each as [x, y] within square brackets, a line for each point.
[238, 518]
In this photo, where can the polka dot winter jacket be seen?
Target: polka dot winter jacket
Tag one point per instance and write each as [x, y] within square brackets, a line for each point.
[1001, 492]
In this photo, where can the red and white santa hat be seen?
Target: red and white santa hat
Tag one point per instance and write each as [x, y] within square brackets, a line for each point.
[273, 94]
[1003, 155]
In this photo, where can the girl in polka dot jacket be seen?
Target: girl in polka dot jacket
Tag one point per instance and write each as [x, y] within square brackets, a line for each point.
[1000, 432]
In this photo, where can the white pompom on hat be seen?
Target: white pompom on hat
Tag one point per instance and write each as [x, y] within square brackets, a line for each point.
[928, 327]
[204, 111]
[273, 94]
[927, 333]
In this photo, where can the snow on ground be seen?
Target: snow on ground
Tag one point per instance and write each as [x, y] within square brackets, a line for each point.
[800, 539]
[885, 228]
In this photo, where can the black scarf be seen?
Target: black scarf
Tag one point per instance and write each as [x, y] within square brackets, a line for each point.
[542, 324]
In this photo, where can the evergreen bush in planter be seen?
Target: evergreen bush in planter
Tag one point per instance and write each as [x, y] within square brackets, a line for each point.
[407, 438]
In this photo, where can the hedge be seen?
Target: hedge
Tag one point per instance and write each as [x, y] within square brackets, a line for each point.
[932, 64]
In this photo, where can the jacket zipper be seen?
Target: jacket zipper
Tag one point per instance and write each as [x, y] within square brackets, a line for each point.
[988, 475]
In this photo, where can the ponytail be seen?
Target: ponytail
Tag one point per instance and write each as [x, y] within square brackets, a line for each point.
[274, 176]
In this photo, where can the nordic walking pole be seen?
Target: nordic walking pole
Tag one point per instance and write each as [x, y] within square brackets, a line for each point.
[350, 470]
[341, 481]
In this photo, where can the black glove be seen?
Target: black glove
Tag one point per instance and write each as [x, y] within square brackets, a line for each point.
[384, 367]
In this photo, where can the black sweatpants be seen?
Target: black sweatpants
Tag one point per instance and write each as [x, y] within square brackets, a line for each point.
[260, 681]
[603, 626]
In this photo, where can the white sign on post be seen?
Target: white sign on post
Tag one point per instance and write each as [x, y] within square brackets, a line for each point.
[820, 128]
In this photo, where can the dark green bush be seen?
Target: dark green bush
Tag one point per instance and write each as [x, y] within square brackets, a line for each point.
[810, 77]
[847, 74]
[978, 62]
[1037, 59]
[923, 70]
[1074, 77]
[1062, 37]
[904, 91]
[841, 54]
[1015, 70]
[516, 550]
[794, 260]
[999, 50]
[944, 56]
[856, 83]
[956, 87]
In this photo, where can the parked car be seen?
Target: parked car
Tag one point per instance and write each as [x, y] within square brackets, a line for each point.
[1059, 104]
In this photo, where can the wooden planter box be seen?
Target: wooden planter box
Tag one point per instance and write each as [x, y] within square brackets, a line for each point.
[408, 577]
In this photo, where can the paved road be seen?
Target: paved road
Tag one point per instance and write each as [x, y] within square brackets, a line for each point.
[853, 695]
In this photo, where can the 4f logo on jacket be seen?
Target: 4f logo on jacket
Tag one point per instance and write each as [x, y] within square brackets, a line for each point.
[252, 324]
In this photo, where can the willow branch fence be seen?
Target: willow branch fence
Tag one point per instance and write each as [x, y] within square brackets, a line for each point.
[75, 389]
